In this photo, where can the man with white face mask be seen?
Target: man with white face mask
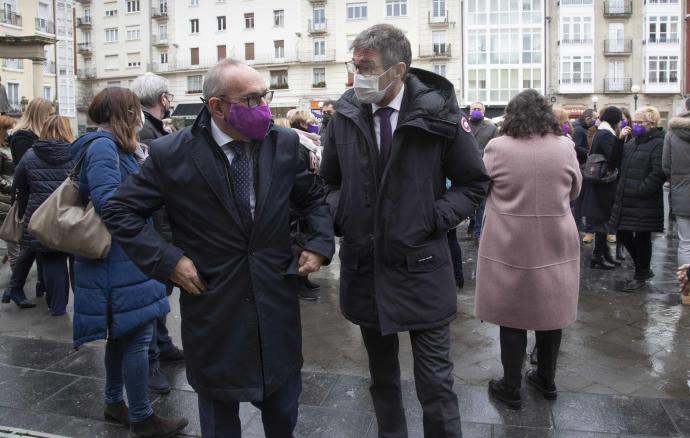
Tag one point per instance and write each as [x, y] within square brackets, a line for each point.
[388, 150]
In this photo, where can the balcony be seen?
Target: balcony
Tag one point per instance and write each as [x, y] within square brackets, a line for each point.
[576, 85]
[436, 51]
[84, 22]
[14, 64]
[49, 67]
[84, 2]
[617, 47]
[160, 40]
[617, 85]
[327, 56]
[160, 12]
[83, 102]
[662, 40]
[618, 9]
[45, 26]
[576, 2]
[576, 42]
[85, 49]
[11, 18]
[86, 73]
[438, 21]
[317, 28]
[321, 2]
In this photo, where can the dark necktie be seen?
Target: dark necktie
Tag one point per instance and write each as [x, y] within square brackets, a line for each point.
[241, 178]
[386, 133]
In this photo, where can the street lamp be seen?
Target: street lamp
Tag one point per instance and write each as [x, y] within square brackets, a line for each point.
[635, 89]
[595, 99]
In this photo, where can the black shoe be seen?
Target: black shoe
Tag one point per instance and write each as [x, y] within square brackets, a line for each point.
[171, 356]
[502, 393]
[117, 412]
[620, 253]
[157, 427]
[306, 294]
[460, 282]
[40, 290]
[18, 297]
[533, 358]
[310, 284]
[634, 284]
[644, 275]
[599, 262]
[158, 383]
[609, 258]
[534, 380]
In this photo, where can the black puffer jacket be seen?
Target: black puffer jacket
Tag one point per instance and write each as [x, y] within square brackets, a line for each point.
[639, 204]
[40, 172]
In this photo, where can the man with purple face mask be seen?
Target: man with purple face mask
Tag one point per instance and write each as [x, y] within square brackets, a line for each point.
[228, 182]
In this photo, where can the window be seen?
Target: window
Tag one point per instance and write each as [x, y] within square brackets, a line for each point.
[319, 15]
[13, 94]
[194, 55]
[438, 8]
[249, 51]
[133, 60]
[531, 11]
[111, 13]
[477, 47]
[133, 6]
[662, 69]
[112, 62]
[221, 22]
[662, 29]
[194, 84]
[576, 70]
[279, 79]
[47, 93]
[133, 33]
[504, 84]
[576, 30]
[357, 11]
[279, 47]
[319, 78]
[440, 69]
[477, 88]
[396, 8]
[194, 3]
[439, 40]
[531, 78]
[249, 20]
[163, 31]
[164, 57]
[531, 46]
[504, 46]
[111, 35]
[221, 52]
[319, 48]
[194, 22]
[279, 18]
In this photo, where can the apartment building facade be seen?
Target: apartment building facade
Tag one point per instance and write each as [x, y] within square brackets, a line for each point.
[45, 25]
[616, 52]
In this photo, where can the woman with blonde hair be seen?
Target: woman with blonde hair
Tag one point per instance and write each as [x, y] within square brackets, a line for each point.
[29, 127]
[564, 122]
[638, 209]
[40, 172]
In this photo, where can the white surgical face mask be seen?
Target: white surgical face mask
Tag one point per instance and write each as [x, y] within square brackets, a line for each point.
[140, 126]
[367, 88]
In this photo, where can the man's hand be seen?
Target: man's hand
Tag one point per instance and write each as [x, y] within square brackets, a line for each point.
[310, 262]
[187, 277]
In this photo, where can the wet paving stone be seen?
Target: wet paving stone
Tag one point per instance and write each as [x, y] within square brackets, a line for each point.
[60, 424]
[88, 361]
[24, 388]
[579, 434]
[31, 353]
[521, 432]
[315, 422]
[83, 398]
[316, 387]
[476, 407]
[679, 411]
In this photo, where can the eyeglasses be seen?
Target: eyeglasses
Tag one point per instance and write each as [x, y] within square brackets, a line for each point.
[364, 70]
[252, 101]
[169, 96]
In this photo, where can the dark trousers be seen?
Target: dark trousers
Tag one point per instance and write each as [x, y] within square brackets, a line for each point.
[455, 254]
[278, 413]
[55, 280]
[639, 245]
[433, 382]
[600, 245]
[513, 345]
[161, 340]
[22, 267]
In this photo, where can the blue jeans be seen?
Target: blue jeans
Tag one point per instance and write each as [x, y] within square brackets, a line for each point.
[160, 342]
[479, 219]
[126, 364]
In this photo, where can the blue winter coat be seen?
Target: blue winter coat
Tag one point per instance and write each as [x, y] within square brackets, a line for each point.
[40, 172]
[112, 297]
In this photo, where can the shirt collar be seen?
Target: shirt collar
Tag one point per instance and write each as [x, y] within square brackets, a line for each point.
[218, 135]
[396, 103]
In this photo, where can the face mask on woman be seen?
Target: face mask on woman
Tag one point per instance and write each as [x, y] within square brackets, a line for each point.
[638, 130]
[565, 128]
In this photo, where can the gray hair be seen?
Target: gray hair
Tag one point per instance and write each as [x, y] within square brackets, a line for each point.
[149, 87]
[389, 41]
[214, 82]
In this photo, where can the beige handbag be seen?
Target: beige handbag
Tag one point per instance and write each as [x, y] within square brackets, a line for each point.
[12, 226]
[63, 223]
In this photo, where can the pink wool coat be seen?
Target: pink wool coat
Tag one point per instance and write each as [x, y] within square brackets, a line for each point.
[528, 268]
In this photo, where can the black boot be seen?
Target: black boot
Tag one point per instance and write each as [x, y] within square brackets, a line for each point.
[158, 382]
[510, 397]
[17, 295]
[548, 390]
[620, 253]
[599, 262]
[157, 427]
[609, 257]
[117, 412]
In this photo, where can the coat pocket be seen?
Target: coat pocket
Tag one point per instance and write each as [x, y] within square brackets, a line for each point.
[427, 258]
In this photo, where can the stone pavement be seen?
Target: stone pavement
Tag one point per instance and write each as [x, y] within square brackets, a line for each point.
[624, 368]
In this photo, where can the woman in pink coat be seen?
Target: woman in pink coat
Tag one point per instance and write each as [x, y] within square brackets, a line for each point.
[528, 269]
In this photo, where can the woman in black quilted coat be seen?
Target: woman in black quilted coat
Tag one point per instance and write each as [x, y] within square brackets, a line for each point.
[638, 210]
[40, 172]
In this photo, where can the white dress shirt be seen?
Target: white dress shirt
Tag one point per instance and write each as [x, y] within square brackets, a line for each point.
[395, 104]
[223, 141]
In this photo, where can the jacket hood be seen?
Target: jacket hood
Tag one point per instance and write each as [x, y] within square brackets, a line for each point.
[77, 148]
[429, 103]
[52, 152]
[680, 126]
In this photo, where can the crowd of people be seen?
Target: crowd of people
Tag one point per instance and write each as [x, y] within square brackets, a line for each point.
[239, 208]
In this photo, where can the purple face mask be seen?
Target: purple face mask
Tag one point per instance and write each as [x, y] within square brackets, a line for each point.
[314, 129]
[253, 123]
[476, 116]
[638, 130]
[565, 128]
[624, 123]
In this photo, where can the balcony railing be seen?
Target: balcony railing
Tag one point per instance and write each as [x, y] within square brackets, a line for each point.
[576, 81]
[16, 64]
[84, 22]
[317, 1]
[85, 48]
[618, 9]
[84, 2]
[617, 47]
[435, 51]
[617, 85]
[159, 40]
[11, 18]
[327, 56]
[49, 67]
[663, 40]
[160, 12]
[45, 26]
[438, 20]
[86, 73]
[577, 41]
[279, 86]
[84, 101]
[318, 27]
[576, 2]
